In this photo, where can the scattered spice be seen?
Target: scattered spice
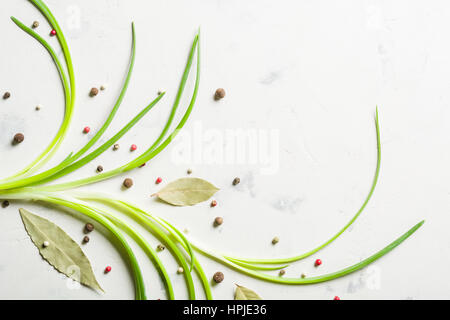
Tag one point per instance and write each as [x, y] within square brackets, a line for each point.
[282, 272]
[89, 227]
[53, 32]
[103, 87]
[180, 270]
[5, 204]
[275, 240]
[18, 138]
[86, 239]
[128, 183]
[220, 94]
[213, 203]
[160, 91]
[116, 147]
[93, 92]
[133, 147]
[189, 171]
[142, 165]
[38, 107]
[158, 180]
[318, 262]
[336, 298]
[6, 95]
[86, 130]
[108, 269]
[218, 277]
[303, 276]
[45, 244]
[218, 221]
[160, 247]
[99, 169]
[236, 181]
[35, 24]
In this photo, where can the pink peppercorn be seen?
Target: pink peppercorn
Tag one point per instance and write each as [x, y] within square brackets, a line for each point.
[107, 269]
[53, 32]
[133, 147]
[86, 129]
[158, 180]
[318, 262]
[213, 203]
[337, 298]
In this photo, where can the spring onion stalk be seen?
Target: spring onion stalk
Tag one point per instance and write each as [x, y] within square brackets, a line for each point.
[341, 231]
[310, 280]
[54, 145]
[149, 154]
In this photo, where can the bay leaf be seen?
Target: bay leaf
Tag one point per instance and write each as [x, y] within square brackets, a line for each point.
[186, 191]
[62, 252]
[243, 293]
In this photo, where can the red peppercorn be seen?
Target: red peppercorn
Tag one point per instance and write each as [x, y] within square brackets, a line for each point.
[337, 298]
[133, 147]
[86, 129]
[53, 32]
[107, 269]
[213, 203]
[318, 262]
[158, 180]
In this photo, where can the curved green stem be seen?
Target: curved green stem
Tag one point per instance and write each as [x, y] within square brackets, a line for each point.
[358, 213]
[311, 280]
[149, 154]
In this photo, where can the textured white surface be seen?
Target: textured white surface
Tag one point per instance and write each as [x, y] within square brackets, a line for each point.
[310, 71]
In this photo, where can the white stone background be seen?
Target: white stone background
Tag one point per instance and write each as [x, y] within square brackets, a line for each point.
[313, 71]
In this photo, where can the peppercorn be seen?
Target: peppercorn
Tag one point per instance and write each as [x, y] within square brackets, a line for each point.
[86, 239]
[275, 240]
[116, 147]
[18, 138]
[127, 183]
[160, 247]
[6, 95]
[336, 298]
[218, 221]
[53, 32]
[93, 92]
[158, 180]
[142, 165]
[99, 169]
[218, 277]
[86, 130]
[5, 204]
[318, 262]
[45, 244]
[189, 171]
[213, 203]
[236, 181]
[89, 227]
[38, 107]
[220, 94]
[303, 276]
[103, 87]
[133, 147]
[107, 269]
[282, 272]
[180, 270]
[35, 25]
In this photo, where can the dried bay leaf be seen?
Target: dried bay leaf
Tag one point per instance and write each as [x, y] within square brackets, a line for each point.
[186, 192]
[62, 252]
[243, 293]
